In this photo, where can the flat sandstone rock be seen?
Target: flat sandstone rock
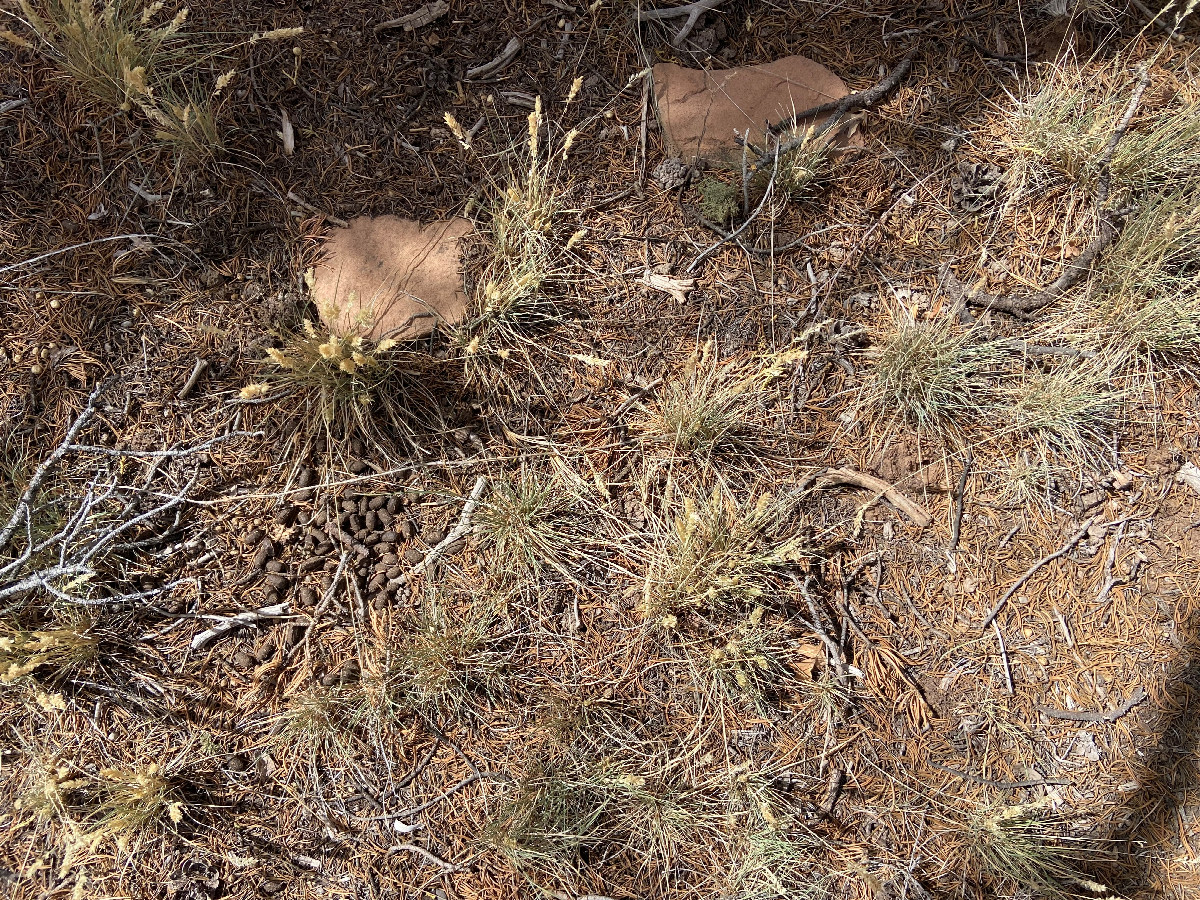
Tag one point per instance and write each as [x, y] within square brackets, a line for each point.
[389, 277]
[700, 110]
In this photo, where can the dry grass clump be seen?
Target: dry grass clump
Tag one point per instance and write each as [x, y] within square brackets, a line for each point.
[715, 407]
[1143, 302]
[130, 55]
[1066, 124]
[1024, 847]
[932, 373]
[448, 658]
[526, 524]
[523, 255]
[560, 819]
[348, 386]
[134, 54]
[717, 552]
[62, 649]
[1069, 413]
[775, 861]
[119, 804]
[750, 663]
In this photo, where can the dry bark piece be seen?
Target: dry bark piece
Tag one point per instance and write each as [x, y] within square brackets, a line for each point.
[700, 110]
[426, 15]
[389, 277]
[919, 516]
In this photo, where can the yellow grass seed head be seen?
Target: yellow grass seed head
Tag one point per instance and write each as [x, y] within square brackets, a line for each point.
[571, 135]
[254, 391]
[151, 11]
[331, 349]
[576, 86]
[473, 347]
[576, 237]
[359, 358]
[278, 34]
[15, 39]
[224, 81]
[348, 365]
[385, 345]
[457, 130]
[280, 358]
[177, 22]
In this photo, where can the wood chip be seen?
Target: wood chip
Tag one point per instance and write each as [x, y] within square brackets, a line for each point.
[426, 15]
[676, 287]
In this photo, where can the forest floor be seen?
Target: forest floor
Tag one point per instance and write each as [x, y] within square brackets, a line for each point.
[614, 594]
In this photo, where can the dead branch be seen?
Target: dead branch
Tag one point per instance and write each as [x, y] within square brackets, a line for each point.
[1039, 565]
[849, 103]
[427, 14]
[693, 11]
[425, 854]
[22, 509]
[497, 65]
[919, 516]
[461, 530]
[227, 624]
[1083, 716]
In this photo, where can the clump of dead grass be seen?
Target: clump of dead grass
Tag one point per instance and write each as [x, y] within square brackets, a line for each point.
[1065, 125]
[350, 387]
[716, 406]
[1069, 413]
[1027, 848]
[61, 649]
[1142, 307]
[717, 552]
[932, 373]
[750, 663]
[526, 522]
[448, 658]
[523, 255]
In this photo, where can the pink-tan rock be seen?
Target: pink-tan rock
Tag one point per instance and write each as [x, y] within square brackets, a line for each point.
[388, 277]
[700, 110]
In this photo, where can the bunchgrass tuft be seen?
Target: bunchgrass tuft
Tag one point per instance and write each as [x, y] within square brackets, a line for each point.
[716, 552]
[526, 522]
[750, 664]
[1066, 124]
[1143, 302]
[715, 406]
[1069, 413]
[1026, 848]
[447, 659]
[133, 55]
[934, 374]
[349, 387]
[60, 650]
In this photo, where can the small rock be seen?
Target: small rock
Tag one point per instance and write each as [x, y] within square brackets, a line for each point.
[701, 109]
[237, 763]
[399, 278]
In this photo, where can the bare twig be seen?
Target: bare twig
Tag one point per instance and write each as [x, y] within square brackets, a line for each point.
[850, 102]
[497, 65]
[22, 509]
[1036, 567]
[231, 623]
[425, 854]
[960, 501]
[1104, 184]
[693, 11]
[461, 530]
[919, 516]
[1083, 716]
[197, 371]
